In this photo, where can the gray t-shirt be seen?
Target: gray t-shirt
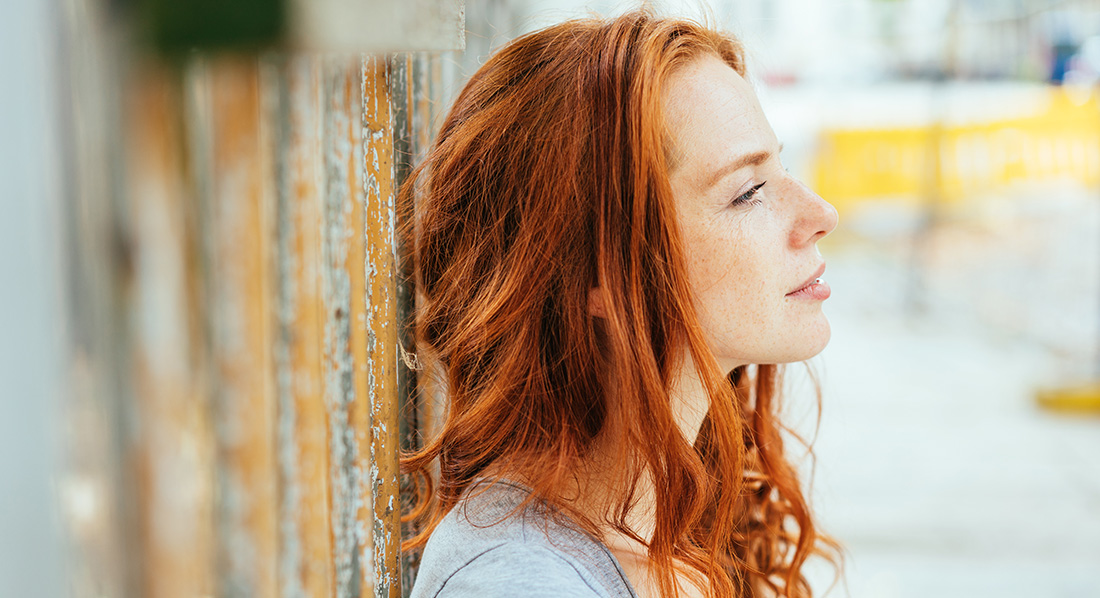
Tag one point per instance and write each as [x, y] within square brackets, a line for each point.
[482, 549]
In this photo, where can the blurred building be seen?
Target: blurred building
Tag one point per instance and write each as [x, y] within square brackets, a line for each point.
[852, 41]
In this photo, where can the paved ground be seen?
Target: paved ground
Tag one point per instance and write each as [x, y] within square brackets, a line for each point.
[935, 467]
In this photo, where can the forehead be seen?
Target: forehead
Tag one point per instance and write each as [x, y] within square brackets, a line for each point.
[713, 115]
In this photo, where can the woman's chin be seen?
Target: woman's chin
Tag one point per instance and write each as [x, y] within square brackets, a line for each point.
[811, 342]
[818, 340]
[796, 341]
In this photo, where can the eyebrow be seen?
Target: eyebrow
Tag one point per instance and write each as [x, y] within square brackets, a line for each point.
[753, 159]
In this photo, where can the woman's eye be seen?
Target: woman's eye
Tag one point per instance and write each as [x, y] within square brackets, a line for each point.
[748, 197]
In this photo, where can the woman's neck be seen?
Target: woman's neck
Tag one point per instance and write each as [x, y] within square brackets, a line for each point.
[603, 481]
[603, 478]
[689, 399]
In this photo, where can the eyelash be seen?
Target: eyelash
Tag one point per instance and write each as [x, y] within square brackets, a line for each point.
[749, 197]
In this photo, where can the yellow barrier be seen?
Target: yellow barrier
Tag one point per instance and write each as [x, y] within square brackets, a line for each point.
[1061, 142]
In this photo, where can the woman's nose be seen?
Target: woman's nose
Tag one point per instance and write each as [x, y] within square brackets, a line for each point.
[816, 217]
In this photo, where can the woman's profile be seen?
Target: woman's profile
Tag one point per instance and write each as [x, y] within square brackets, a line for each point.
[611, 263]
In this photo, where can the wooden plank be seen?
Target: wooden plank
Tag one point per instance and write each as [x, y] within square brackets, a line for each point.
[381, 310]
[305, 546]
[402, 87]
[344, 382]
[425, 99]
[96, 485]
[171, 452]
[429, 99]
[242, 286]
[402, 93]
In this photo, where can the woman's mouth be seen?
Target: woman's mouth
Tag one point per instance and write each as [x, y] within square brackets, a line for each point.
[818, 290]
[815, 289]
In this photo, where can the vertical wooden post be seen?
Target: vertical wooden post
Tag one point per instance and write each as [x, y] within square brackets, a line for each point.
[240, 231]
[345, 344]
[402, 86]
[171, 451]
[428, 100]
[306, 566]
[380, 265]
[96, 481]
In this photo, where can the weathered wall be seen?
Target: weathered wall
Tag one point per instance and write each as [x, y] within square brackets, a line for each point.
[233, 291]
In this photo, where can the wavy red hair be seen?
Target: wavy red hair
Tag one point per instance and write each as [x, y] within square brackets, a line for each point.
[550, 178]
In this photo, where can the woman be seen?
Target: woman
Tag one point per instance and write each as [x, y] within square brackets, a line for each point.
[610, 259]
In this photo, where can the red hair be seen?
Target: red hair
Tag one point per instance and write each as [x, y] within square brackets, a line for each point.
[550, 178]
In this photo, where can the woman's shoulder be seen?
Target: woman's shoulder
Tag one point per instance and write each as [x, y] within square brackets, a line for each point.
[493, 544]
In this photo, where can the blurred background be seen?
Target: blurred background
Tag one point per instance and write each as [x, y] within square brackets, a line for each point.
[958, 446]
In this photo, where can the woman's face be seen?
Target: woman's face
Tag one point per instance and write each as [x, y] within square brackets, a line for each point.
[750, 229]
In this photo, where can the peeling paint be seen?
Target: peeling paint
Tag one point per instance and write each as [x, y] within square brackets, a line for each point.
[266, 444]
[237, 208]
[340, 189]
[291, 550]
[380, 272]
[305, 560]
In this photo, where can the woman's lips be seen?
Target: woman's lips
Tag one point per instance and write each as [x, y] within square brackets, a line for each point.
[818, 290]
[815, 288]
